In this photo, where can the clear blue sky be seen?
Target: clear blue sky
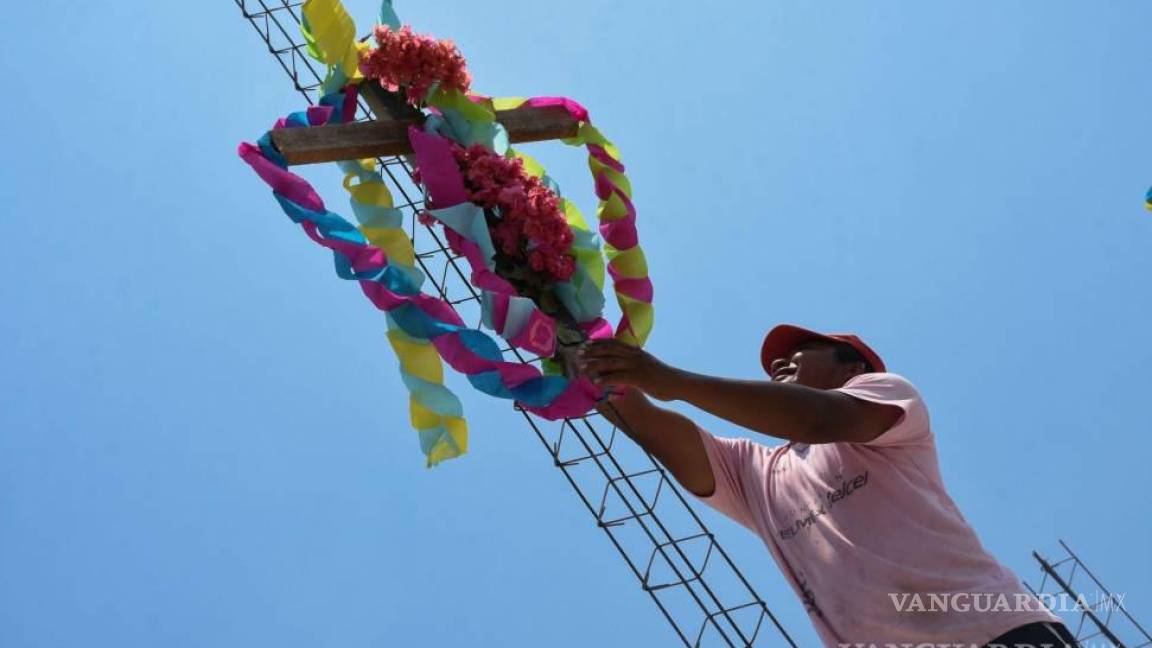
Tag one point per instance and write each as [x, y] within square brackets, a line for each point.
[203, 439]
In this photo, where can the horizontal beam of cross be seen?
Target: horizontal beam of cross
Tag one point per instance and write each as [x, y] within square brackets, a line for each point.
[388, 134]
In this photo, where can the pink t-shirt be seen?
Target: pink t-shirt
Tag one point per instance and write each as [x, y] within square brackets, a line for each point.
[866, 534]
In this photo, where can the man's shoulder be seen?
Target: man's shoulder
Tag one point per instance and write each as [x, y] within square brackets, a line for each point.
[893, 389]
[744, 447]
[885, 387]
[882, 379]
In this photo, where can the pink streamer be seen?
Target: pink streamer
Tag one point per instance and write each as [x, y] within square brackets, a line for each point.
[638, 289]
[580, 396]
[597, 329]
[438, 169]
[318, 115]
[289, 185]
[598, 152]
[499, 313]
[578, 112]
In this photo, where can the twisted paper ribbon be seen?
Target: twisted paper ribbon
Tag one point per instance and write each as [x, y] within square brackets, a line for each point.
[436, 412]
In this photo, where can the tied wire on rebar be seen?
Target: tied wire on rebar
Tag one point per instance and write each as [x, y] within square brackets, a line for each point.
[1097, 620]
[277, 23]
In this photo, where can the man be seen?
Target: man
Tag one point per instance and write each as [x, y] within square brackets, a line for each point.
[852, 507]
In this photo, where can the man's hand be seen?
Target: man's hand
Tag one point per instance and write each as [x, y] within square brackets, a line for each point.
[669, 436]
[609, 362]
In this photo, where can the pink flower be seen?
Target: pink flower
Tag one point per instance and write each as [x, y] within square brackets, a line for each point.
[565, 267]
[538, 260]
[530, 214]
[507, 236]
[402, 59]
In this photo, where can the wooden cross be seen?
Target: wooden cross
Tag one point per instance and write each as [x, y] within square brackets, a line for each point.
[387, 135]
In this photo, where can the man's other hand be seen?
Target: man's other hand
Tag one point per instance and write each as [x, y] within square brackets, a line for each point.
[609, 362]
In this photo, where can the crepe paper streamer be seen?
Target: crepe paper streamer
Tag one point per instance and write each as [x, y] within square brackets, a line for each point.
[617, 215]
[390, 289]
[466, 121]
[388, 15]
[436, 412]
[331, 36]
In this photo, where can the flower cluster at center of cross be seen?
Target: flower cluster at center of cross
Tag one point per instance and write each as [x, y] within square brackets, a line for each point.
[525, 217]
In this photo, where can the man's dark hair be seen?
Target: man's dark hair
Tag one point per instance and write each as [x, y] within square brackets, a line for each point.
[847, 354]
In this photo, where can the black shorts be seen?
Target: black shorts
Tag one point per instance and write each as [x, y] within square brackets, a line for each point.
[1036, 635]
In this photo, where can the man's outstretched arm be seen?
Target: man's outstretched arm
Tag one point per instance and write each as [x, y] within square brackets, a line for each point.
[783, 410]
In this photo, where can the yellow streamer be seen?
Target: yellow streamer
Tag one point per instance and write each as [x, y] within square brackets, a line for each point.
[332, 33]
[418, 358]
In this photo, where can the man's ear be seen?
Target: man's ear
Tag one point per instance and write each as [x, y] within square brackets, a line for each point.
[855, 369]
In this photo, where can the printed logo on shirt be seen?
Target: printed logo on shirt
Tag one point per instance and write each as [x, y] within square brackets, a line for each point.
[847, 487]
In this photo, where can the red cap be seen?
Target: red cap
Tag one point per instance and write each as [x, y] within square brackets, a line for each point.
[782, 339]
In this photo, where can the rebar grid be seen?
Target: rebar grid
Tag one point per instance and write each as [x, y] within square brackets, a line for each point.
[676, 559]
[1096, 620]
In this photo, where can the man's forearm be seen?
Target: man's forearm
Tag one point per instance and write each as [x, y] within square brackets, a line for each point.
[783, 410]
[617, 411]
[669, 436]
[633, 414]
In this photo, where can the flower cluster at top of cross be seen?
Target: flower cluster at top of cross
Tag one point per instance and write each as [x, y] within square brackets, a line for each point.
[531, 222]
[404, 60]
